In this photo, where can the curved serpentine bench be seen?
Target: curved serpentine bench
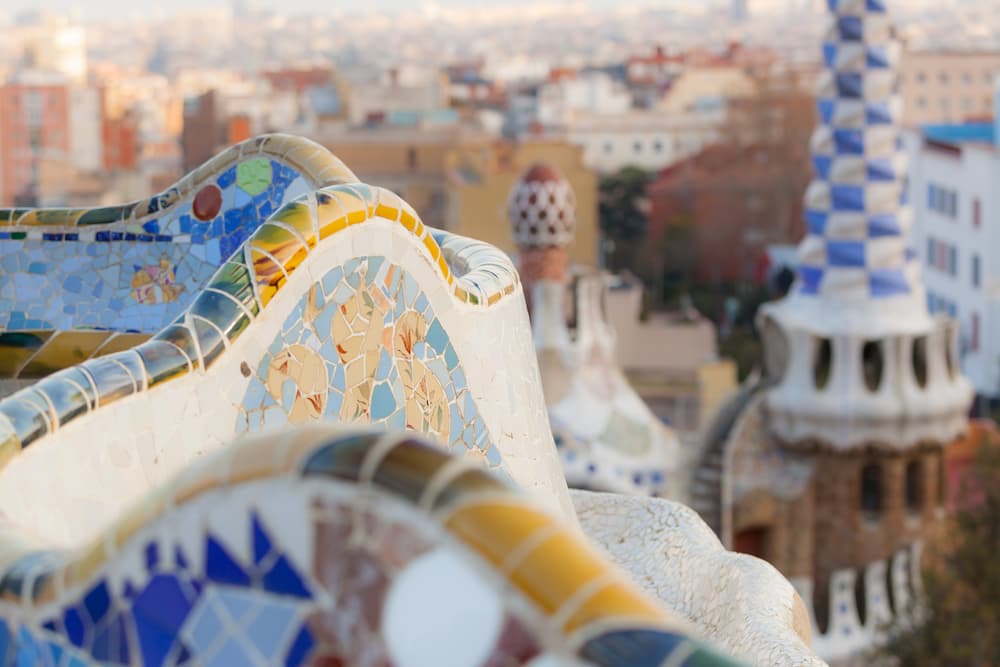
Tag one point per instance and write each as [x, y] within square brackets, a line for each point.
[319, 546]
[77, 283]
[341, 307]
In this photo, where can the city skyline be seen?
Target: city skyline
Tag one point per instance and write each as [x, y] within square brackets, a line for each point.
[104, 9]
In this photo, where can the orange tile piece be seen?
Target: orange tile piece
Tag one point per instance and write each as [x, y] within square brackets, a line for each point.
[557, 569]
[495, 528]
[618, 600]
[432, 247]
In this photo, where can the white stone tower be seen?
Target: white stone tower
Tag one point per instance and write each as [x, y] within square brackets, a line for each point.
[854, 354]
[608, 438]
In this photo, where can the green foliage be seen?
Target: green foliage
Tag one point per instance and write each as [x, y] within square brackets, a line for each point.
[622, 213]
[962, 584]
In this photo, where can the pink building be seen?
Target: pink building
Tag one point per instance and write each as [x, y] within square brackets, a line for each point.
[35, 131]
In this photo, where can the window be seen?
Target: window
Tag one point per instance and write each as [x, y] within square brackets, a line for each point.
[914, 486]
[637, 147]
[975, 271]
[871, 490]
[872, 364]
[921, 102]
[931, 252]
[411, 158]
[974, 334]
[822, 363]
[608, 147]
[943, 77]
[921, 77]
[953, 261]
[977, 212]
[967, 78]
[943, 200]
[658, 146]
[942, 493]
[918, 356]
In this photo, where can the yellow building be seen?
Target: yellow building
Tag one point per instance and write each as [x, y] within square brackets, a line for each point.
[459, 179]
[947, 86]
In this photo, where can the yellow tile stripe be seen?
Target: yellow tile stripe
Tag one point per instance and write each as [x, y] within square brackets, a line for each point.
[341, 206]
[553, 570]
[554, 567]
[274, 252]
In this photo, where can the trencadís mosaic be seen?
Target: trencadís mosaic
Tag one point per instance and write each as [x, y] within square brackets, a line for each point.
[365, 346]
[135, 267]
[335, 573]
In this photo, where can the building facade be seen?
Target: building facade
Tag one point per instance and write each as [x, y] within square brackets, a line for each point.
[953, 176]
[645, 138]
[947, 86]
[728, 204]
[36, 136]
[832, 464]
[460, 179]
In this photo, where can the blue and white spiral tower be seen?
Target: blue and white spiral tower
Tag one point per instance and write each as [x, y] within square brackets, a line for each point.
[855, 354]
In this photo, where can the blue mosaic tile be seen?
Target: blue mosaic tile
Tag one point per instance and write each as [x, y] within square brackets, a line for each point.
[300, 648]
[67, 286]
[97, 602]
[384, 399]
[270, 628]
[282, 578]
[222, 568]
[74, 625]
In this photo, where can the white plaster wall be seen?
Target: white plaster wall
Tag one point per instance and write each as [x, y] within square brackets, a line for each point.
[66, 487]
[974, 173]
[738, 601]
[846, 636]
[86, 145]
[680, 135]
[846, 413]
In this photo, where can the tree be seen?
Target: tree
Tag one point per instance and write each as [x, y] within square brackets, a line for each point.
[623, 211]
[961, 624]
[673, 264]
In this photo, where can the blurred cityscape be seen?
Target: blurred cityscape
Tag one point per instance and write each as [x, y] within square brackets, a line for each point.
[669, 167]
[683, 127]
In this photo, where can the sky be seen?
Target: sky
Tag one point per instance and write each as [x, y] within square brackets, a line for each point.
[100, 9]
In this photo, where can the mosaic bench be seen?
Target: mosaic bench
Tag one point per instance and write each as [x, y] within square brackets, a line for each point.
[75, 283]
[322, 547]
[341, 307]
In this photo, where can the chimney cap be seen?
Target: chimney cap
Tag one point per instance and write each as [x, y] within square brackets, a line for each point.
[541, 208]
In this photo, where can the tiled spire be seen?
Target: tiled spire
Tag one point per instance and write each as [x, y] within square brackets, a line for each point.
[857, 241]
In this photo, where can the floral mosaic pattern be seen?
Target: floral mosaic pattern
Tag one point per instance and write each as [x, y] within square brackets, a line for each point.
[156, 282]
[229, 302]
[257, 575]
[364, 345]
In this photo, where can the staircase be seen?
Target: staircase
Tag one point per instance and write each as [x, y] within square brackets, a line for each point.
[706, 484]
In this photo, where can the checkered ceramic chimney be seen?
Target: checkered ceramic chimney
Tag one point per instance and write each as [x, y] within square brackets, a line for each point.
[858, 223]
[853, 354]
[542, 213]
